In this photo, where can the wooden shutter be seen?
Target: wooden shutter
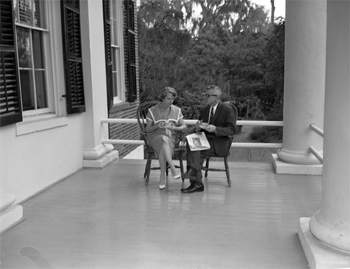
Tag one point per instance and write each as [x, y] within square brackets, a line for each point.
[73, 56]
[10, 97]
[108, 50]
[130, 59]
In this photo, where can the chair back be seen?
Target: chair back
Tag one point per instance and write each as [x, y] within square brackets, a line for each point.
[141, 113]
[235, 111]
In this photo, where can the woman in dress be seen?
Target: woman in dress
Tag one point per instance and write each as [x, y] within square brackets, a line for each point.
[163, 120]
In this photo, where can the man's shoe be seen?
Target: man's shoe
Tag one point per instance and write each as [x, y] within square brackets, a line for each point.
[189, 187]
[195, 188]
[190, 174]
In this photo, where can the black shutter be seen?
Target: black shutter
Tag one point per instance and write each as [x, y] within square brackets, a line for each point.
[10, 97]
[108, 50]
[130, 59]
[73, 56]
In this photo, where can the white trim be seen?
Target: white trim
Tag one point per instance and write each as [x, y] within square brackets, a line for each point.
[40, 123]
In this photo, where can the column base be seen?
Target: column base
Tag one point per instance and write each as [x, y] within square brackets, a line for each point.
[10, 217]
[320, 255]
[137, 154]
[296, 169]
[102, 161]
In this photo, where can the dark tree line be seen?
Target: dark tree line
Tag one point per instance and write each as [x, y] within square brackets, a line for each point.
[231, 44]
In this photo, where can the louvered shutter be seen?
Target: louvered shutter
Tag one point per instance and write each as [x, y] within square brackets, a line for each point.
[130, 58]
[10, 97]
[73, 56]
[108, 50]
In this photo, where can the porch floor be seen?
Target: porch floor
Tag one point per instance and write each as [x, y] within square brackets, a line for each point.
[109, 218]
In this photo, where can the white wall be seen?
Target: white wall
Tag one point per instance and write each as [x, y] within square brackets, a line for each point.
[34, 161]
[45, 149]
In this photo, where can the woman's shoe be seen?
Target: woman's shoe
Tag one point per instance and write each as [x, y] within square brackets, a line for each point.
[177, 177]
[161, 184]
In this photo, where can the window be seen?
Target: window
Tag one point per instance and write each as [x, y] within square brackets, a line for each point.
[32, 35]
[117, 50]
[120, 47]
[10, 96]
[113, 17]
[27, 58]
[130, 41]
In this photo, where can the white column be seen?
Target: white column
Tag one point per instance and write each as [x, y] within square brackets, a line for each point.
[304, 80]
[331, 224]
[95, 153]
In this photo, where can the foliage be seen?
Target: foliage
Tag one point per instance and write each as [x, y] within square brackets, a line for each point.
[272, 97]
[160, 49]
[267, 134]
[231, 44]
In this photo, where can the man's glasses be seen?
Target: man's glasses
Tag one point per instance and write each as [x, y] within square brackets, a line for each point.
[213, 87]
[208, 95]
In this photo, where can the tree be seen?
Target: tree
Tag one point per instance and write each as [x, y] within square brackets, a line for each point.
[226, 51]
[163, 39]
[274, 72]
[272, 13]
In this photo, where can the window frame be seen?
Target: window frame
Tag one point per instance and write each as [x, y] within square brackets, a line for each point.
[119, 85]
[46, 31]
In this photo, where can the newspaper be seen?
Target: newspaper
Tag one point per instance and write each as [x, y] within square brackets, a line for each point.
[198, 141]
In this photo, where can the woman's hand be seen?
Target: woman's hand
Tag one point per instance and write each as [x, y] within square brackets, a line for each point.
[161, 125]
[198, 125]
[170, 126]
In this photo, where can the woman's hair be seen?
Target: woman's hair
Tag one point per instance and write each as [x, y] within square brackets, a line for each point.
[166, 91]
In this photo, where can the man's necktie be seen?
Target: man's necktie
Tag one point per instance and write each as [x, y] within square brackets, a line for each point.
[211, 115]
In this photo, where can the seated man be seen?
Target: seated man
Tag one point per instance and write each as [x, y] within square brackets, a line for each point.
[216, 119]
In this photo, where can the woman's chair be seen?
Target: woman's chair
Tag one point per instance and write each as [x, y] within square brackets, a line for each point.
[206, 168]
[178, 150]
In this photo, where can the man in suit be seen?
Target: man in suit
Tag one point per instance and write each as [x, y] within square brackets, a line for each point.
[217, 120]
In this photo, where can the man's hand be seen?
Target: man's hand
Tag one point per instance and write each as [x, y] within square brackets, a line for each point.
[209, 128]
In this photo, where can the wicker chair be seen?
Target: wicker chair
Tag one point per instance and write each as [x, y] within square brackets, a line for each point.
[178, 150]
[206, 168]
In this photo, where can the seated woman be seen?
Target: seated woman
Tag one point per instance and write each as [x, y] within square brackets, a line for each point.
[162, 120]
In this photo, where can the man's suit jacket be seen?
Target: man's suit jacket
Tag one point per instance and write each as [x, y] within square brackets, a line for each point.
[225, 120]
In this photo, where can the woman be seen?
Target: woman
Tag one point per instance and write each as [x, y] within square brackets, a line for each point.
[162, 120]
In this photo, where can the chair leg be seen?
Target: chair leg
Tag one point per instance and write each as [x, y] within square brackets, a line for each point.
[227, 172]
[206, 167]
[147, 170]
[181, 167]
[166, 169]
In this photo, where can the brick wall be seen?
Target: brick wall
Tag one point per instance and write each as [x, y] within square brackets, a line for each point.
[126, 131]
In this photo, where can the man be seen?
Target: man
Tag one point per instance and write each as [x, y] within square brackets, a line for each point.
[220, 120]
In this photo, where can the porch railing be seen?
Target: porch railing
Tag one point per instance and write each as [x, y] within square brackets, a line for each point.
[312, 149]
[192, 122]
